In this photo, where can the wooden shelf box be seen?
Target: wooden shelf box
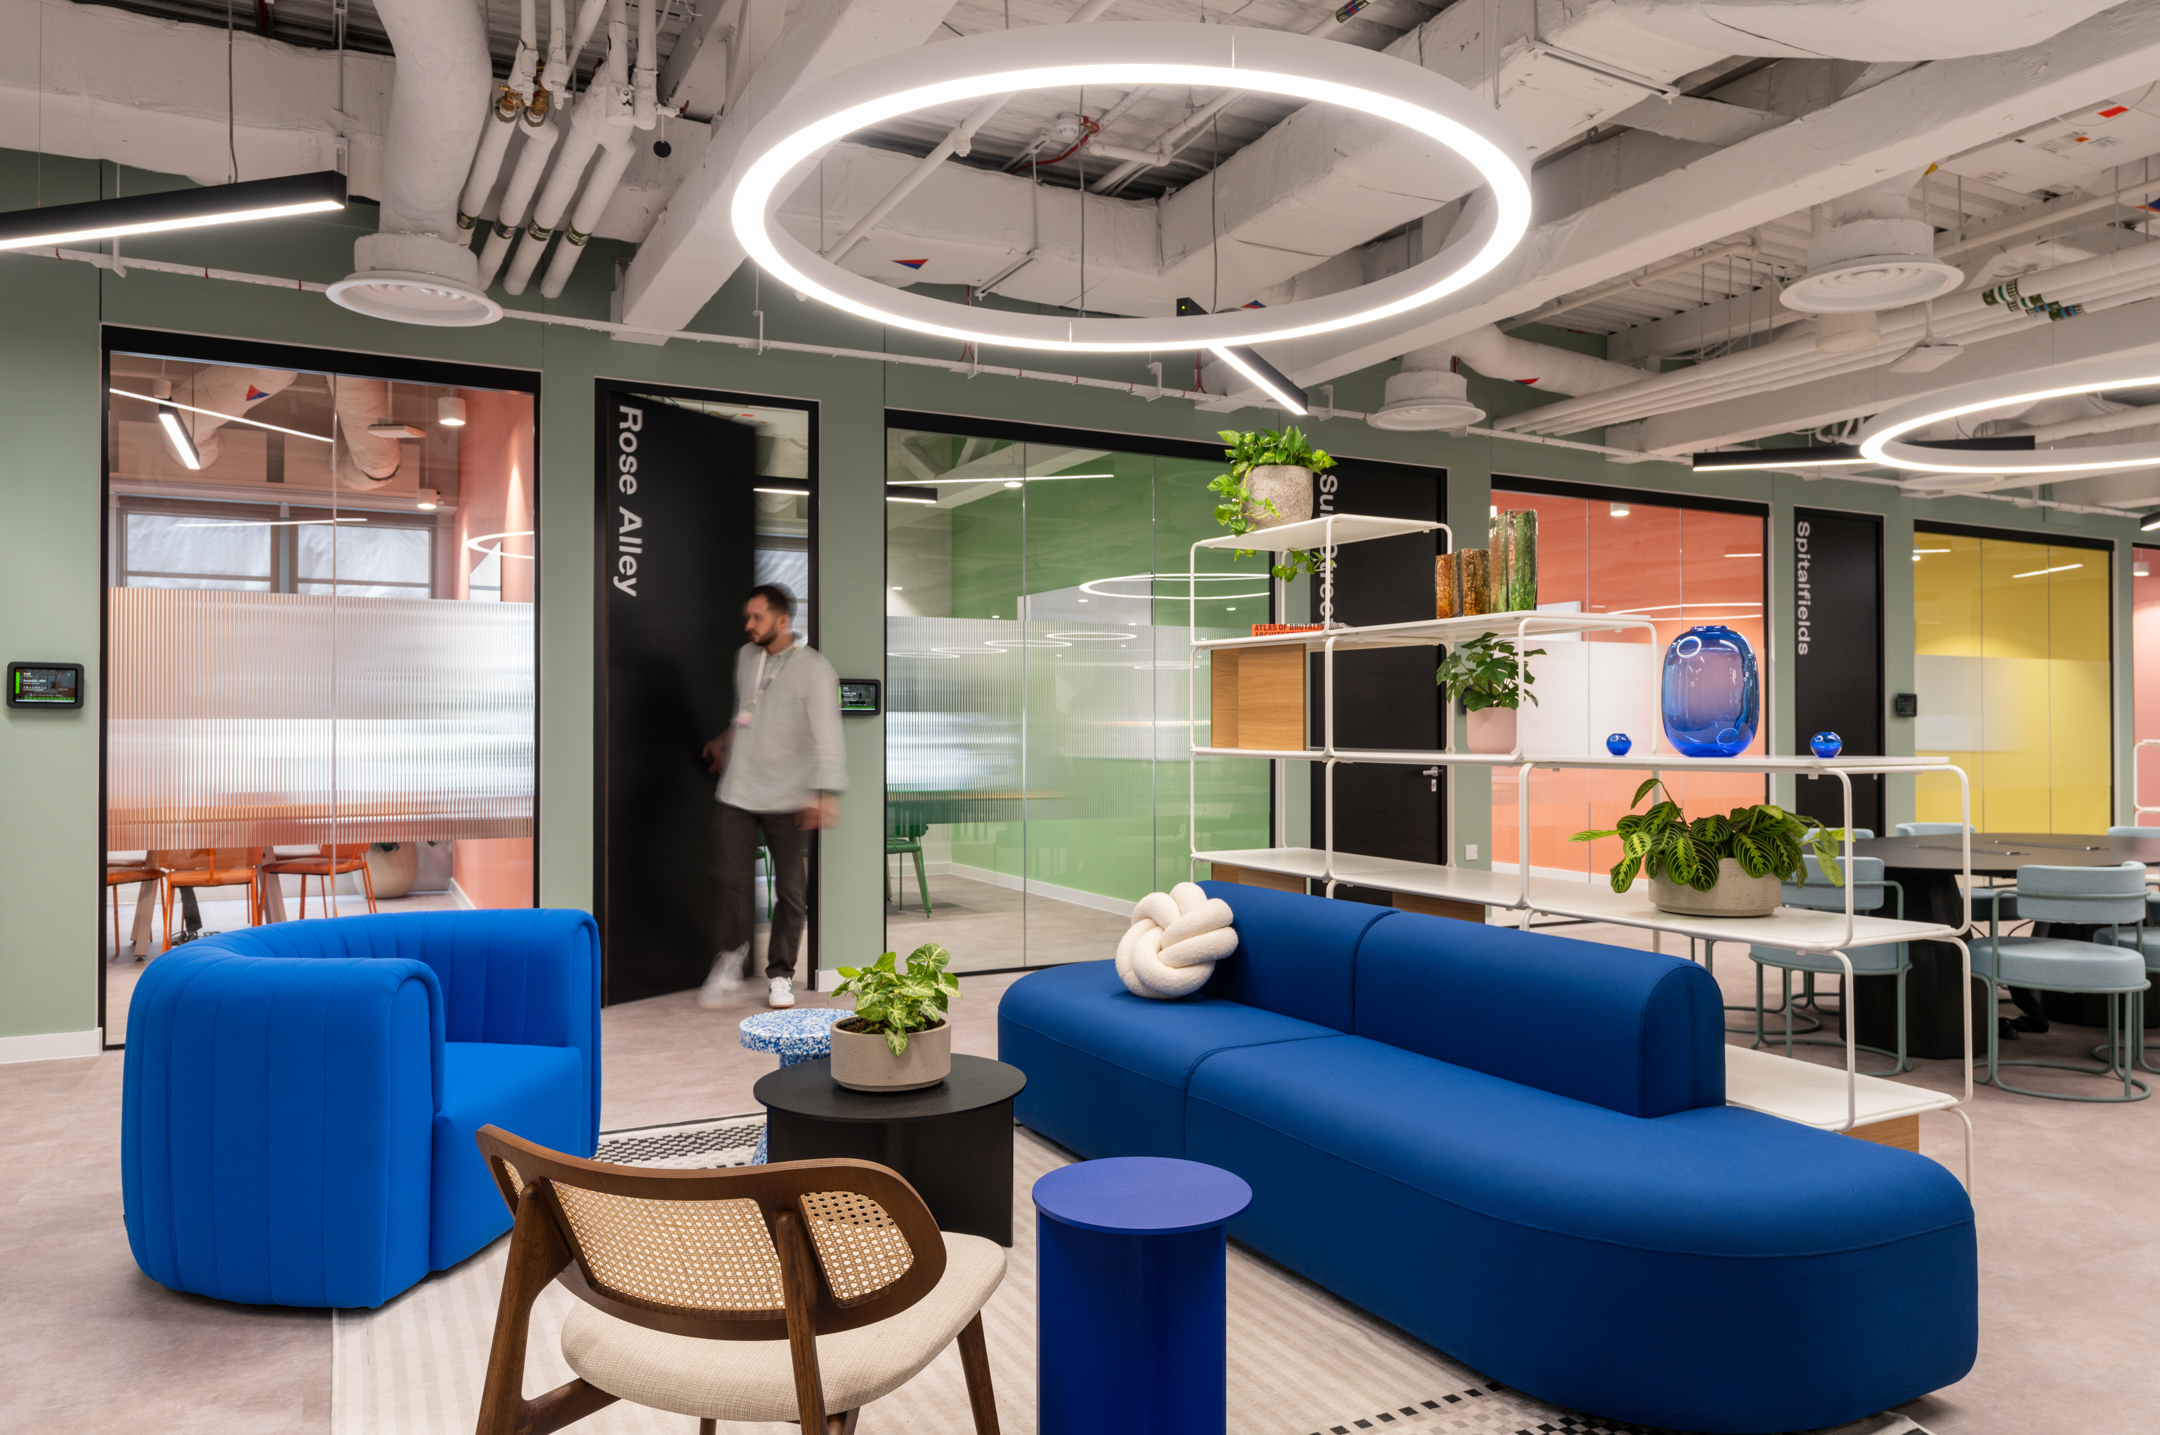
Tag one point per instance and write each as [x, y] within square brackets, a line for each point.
[1257, 698]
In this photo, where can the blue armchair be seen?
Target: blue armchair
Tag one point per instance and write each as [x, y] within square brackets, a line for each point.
[300, 1101]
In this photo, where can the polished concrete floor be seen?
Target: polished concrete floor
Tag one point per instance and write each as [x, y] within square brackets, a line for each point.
[2069, 1257]
[990, 928]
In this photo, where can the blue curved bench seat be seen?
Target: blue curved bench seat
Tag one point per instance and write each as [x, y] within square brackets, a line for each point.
[300, 1099]
[1515, 1147]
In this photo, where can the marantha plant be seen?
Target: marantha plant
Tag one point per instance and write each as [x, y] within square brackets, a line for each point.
[1263, 448]
[895, 1002]
[1487, 672]
[1764, 839]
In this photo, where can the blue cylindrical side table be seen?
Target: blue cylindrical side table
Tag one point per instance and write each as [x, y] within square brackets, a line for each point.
[1130, 1296]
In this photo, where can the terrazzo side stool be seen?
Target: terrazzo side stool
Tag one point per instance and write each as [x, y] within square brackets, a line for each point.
[1131, 1297]
[797, 1034]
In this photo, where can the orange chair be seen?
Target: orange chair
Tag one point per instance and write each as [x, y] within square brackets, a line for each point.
[212, 867]
[327, 864]
[118, 875]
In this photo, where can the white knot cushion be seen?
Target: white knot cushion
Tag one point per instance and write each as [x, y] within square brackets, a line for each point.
[1175, 940]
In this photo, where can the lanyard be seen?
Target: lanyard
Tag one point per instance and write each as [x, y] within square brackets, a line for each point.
[764, 680]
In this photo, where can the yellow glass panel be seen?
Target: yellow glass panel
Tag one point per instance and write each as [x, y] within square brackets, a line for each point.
[1947, 670]
[2079, 690]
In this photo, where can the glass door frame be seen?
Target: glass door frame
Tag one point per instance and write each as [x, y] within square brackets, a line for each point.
[212, 349]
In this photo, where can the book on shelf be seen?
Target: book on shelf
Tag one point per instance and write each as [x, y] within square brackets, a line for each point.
[1269, 630]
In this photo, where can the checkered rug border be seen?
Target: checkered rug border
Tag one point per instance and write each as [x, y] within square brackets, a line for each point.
[709, 1145]
[1493, 1409]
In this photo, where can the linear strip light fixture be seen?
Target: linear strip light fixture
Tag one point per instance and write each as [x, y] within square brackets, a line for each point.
[176, 434]
[800, 128]
[317, 193]
[219, 414]
[2043, 572]
[1880, 439]
[791, 492]
[1257, 371]
[895, 493]
[264, 522]
[1831, 455]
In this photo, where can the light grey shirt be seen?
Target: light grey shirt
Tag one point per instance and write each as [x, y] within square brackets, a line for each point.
[787, 747]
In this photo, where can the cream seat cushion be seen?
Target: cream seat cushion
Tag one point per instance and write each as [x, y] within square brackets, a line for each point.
[755, 1379]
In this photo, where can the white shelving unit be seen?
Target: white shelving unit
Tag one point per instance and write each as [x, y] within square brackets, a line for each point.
[1758, 1080]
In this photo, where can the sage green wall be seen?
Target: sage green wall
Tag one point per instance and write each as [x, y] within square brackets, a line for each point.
[50, 600]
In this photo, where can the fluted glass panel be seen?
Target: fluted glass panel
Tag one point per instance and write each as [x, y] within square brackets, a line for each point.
[242, 719]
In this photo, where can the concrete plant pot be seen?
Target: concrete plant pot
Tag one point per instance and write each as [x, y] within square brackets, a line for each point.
[1735, 894]
[392, 873]
[862, 1062]
[1491, 730]
[1287, 485]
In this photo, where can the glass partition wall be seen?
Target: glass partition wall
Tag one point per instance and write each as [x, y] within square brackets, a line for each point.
[319, 676]
[1036, 675]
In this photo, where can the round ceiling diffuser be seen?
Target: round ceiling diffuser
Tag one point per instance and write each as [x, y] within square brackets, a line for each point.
[408, 297]
[1872, 282]
[1419, 399]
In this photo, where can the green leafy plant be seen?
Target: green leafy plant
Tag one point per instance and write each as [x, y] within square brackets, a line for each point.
[1764, 839]
[1487, 672]
[895, 1001]
[1260, 449]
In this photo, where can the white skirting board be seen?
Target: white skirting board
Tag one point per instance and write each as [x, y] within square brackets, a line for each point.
[51, 1046]
[1033, 888]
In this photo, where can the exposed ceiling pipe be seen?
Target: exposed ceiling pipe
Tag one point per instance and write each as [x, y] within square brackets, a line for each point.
[2132, 197]
[2111, 279]
[232, 392]
[415, 270]
[365, 460]
[956, 141]
[1740, 249]
[2114, 420]
[618, 144]
[592, 119]
[517, 197]
[513, 99]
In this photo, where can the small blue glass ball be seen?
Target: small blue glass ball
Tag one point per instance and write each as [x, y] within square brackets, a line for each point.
[1618, 744]
[1826, 744]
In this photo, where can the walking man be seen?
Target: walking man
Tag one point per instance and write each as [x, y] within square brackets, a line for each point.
[782, 769]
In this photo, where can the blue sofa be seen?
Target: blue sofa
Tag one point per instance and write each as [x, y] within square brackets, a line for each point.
[297, 1122]
[1515, 1147]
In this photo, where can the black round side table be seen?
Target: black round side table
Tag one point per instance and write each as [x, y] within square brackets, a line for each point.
[953, 1141]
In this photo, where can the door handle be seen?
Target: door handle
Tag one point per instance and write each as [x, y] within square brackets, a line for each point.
[1434, 774]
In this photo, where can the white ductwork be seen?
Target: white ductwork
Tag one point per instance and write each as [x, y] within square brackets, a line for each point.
[414, 270]
[1871, 255]
[631, 106]
[1429, 393]
[231, 392]
[364, 460]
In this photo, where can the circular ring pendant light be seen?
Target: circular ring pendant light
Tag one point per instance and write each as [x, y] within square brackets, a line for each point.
[1879, 438]
[1463, 128]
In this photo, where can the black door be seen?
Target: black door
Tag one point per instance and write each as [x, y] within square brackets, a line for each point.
[1838, 654]
[676, 555]
[1385, 698]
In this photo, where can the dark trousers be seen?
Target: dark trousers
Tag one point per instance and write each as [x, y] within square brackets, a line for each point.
[735, 834]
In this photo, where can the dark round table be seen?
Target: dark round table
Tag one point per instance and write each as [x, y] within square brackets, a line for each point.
[953, 1141]
[1927, 868]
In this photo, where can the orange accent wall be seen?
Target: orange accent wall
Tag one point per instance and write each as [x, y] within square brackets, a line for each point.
[1675, 566]
[494, 871]
[495, 488]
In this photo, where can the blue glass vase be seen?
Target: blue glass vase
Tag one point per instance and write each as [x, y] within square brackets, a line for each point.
[1712, 696]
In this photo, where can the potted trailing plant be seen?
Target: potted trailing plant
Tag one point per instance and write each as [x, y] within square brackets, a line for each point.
[1489, 677]
[1269, 484]
[898, 1039]
[1728, 866]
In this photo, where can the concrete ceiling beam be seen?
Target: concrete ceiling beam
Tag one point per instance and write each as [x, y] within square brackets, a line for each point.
[1906, 122]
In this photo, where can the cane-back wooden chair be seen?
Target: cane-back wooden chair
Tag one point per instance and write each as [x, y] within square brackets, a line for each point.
[799, 1291]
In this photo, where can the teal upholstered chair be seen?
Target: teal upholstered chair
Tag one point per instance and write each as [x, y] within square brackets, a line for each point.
[2146, 939]
[1818, 893]
[2108, 896]
[1930, 829]
[903, 839]
[2152, 899]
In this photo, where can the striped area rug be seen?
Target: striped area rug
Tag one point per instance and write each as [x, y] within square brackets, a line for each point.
[1302, 1362]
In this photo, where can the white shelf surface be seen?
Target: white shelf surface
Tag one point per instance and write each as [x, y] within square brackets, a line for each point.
[1314, 532]
[1796, 929]
[1633, 762]
[1430, 631]
[1816, 1095]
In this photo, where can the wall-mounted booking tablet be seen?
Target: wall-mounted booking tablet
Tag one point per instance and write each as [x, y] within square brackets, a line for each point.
[859, 697]
[44, 685]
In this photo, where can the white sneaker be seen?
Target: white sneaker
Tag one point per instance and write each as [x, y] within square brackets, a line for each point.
[726, 982]
[783, 993]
